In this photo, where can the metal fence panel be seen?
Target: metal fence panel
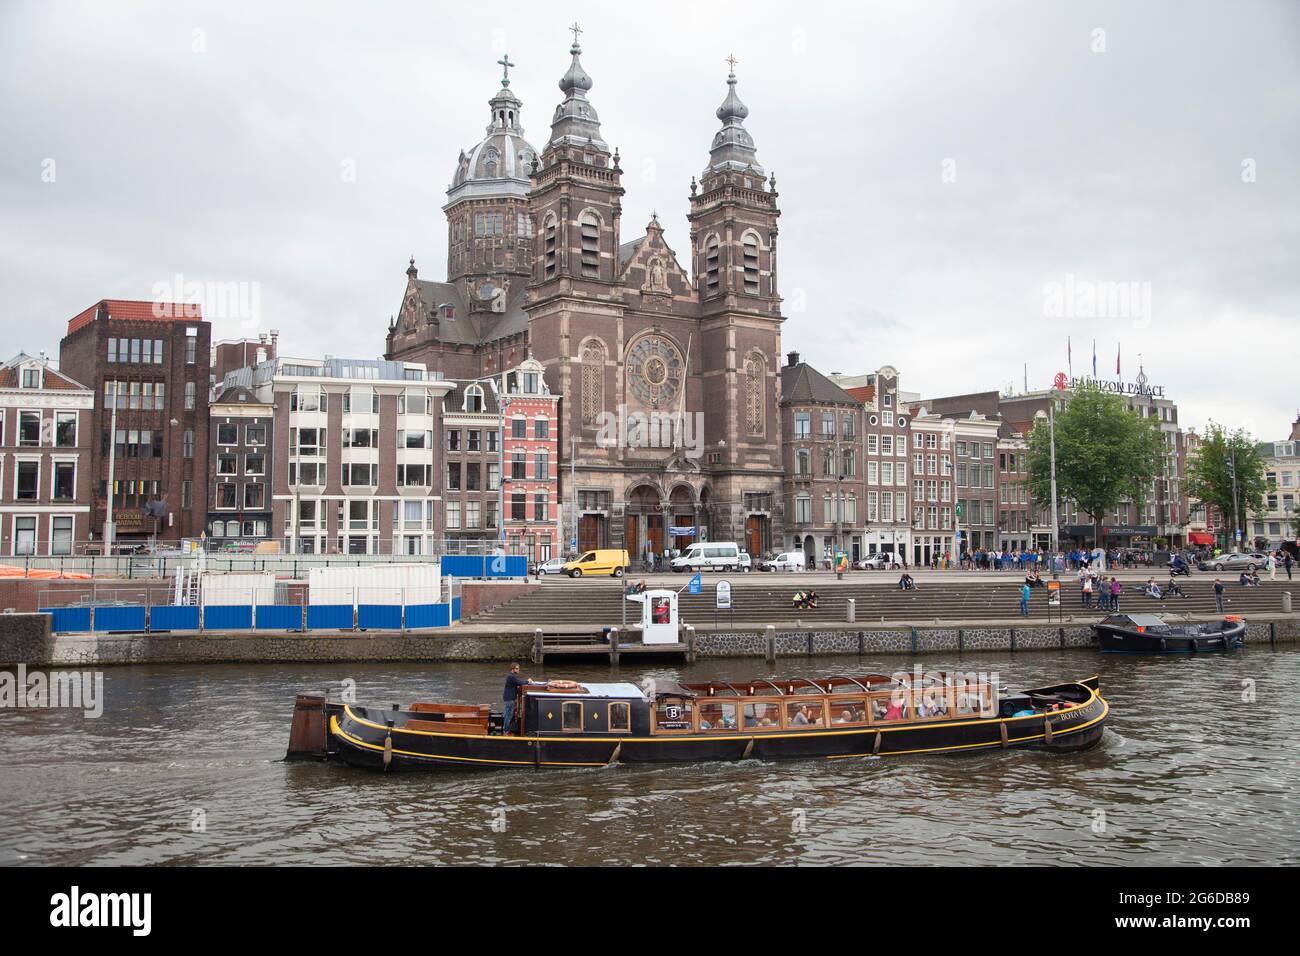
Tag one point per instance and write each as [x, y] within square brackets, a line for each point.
[228, 617]
[119, 617]
[279, 617]
[174, 617]
[64, 620]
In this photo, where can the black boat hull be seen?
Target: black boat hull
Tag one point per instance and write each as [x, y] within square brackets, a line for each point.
[1121, 640]
[357, 739]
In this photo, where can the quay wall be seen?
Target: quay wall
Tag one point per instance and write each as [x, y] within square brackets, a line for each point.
[27, 639]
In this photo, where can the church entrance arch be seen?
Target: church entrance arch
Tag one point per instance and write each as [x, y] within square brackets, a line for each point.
[681, 513]
[644, 524]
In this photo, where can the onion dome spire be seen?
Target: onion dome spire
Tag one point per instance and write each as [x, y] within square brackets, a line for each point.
[733, 147]
[575, 122]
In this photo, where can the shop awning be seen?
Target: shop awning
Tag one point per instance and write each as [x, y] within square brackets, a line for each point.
[1200, 537]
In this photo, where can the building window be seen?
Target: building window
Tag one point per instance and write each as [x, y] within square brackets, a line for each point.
[187, 443]
[593, 383]
[24, 535]
[65, 480]
[27, 481]
[112, 350]
[191, 346]
[542, 467]
[518, 506]
[541, 429]
[518, 428]
[61, 535]
[750, 254]
[802, 425]
[254, 496]
[189, 396]
[548, 249]
[540, 510]
[712, 266]
[589, 230]
[755, 376]
[227, 434]
[29, 429]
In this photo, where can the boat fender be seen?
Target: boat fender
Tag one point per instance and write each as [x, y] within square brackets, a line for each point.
[749, 749]
[1193, 645]
[1047, 730]
[1165, 644]
[1002, 729]
[388, 750]
[618, 749]
[875, 749]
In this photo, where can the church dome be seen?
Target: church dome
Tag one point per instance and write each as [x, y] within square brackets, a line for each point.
[501, 163]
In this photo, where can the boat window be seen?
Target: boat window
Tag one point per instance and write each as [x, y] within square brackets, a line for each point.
[671, 713]
[932, 702]
[889, 707]
[717, 715]
[761, 715]
[851, 711]
[973, 699]
[620, 717]
[805, 713]
[571, 715]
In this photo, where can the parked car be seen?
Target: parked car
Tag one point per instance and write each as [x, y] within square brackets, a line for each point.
[876, 562]
[1246, 561]
[708, 556]
[553, 566]
[746, 562]
[609, 561]
[786, 561]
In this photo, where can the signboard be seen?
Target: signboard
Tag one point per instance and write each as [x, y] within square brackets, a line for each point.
[1053, 593]
[723, 596]
[696, 585]
[682, 531]
[1139, 387]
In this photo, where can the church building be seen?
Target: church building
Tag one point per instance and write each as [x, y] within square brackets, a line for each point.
[668, 373]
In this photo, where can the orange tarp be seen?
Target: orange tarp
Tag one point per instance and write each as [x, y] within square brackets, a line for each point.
[41, 574]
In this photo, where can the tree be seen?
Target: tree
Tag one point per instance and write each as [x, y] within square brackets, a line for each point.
[1105, 454]
[1209, 475]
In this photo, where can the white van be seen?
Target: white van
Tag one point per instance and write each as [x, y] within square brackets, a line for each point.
[709, 556]
[787, 561]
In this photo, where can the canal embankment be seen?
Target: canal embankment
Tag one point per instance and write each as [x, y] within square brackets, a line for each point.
[28, 639]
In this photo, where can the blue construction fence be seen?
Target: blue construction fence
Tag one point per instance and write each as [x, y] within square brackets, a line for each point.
[485, 565]
[359, 609]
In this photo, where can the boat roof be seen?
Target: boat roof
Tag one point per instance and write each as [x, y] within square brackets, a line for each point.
[589, 689]
[1144, 620]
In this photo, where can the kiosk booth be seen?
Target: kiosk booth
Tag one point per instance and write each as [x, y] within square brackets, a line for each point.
[658, 624]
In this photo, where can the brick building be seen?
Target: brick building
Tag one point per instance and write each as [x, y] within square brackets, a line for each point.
[530, 415]
[823, 481]
[149, 362]
[471, 482]
[45, 435]
[242, 430]
[628, 334]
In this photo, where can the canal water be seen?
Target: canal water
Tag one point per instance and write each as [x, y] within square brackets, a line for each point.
[1199, 766]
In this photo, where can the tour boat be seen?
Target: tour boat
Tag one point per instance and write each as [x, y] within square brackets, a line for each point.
[1149, 634]
[571, 724]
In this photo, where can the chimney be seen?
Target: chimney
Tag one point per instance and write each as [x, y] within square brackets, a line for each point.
[1295, 429]
[792, 359]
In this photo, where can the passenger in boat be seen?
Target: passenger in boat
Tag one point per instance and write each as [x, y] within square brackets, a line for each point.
[894, 711]
[845, 717]
[801, 716]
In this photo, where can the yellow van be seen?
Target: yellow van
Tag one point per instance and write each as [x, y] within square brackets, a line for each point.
[601, 561]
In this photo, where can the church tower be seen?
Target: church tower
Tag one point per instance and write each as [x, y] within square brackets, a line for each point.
[733, 221]
[489, 234]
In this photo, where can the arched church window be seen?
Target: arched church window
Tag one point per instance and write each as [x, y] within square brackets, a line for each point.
[589, 228]
[755, 380]
[712, 266]
[491, 163]
[593, 382]
[751, 263]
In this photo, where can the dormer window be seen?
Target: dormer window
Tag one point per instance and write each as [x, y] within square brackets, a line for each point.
[32, 377]
[474, 399]
[449, 312]
[889, 400]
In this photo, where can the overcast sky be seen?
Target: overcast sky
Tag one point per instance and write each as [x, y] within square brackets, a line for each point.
[942, 168]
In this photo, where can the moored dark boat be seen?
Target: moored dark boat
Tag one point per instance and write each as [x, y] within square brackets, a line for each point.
[1149, 634]
[567, 724]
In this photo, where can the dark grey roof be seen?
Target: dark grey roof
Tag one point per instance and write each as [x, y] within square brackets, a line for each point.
[454, 401]
[805, 385]
[627, 250]
[479, 327]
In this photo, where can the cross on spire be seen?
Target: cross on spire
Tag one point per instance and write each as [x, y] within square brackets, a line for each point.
[575, 30]
[505, 69]
[731, 61]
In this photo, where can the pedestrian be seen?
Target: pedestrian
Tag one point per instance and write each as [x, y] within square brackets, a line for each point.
[1024, 600]
[1086, 591]
[1272, 568]
[1286, 563]
[510, 696]
[1116, 589]
[1218, 595]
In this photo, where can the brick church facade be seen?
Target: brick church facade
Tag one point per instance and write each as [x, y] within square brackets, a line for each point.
[668, 373]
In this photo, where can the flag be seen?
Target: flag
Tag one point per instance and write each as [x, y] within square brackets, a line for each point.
[1117, 348]
[1094, 358]
[1069, 356]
